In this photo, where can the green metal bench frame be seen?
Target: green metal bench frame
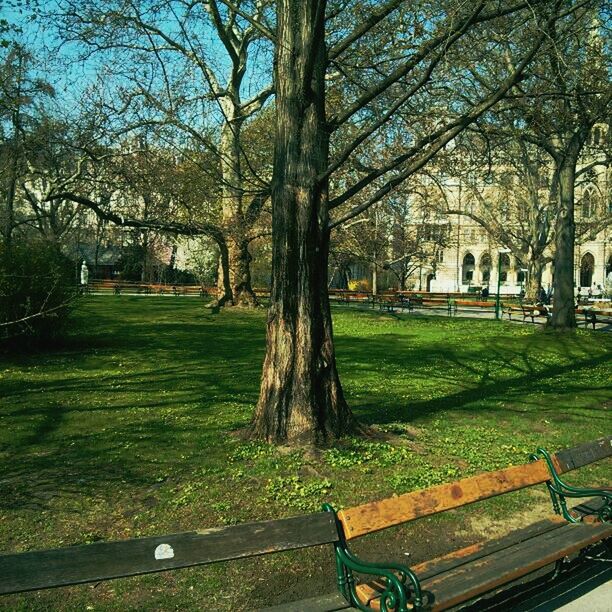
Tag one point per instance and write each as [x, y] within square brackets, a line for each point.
[403, 587]
[560, 491]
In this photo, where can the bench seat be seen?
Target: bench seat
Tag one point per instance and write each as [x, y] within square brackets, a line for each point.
[477, 570]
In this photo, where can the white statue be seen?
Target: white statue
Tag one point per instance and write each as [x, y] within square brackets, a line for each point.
[84, 273]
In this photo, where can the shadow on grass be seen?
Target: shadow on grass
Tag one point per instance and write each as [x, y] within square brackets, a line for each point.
[151, 391]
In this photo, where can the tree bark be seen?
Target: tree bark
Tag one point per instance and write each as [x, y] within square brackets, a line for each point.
[534, 281]
[224, 286]
[564, 315]
[239, 258]
[301, 399]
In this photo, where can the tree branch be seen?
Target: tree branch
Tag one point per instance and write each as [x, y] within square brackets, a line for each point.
[436, 141]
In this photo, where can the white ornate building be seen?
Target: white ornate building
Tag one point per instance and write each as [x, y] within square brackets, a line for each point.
[470, 257]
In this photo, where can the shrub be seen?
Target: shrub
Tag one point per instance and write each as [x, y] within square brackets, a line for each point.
[359, 285]
[37, 290]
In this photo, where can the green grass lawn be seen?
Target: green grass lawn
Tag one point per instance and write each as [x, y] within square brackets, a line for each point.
[128, 429]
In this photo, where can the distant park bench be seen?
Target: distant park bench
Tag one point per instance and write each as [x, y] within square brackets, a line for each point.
[355, 297]
[438, 584]
[118, 287]
[391, 300]
[471, 305]
[592, 315]
[527, 311]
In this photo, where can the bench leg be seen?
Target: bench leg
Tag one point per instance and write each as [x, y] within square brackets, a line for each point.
[395, 575]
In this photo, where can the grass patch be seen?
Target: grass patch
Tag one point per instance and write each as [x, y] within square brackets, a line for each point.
[126, 430]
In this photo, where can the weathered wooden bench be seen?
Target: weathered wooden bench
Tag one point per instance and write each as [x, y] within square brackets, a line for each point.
[107, 560]
[527, 311]
[434, 585]
[592, 315]
[388, 301]
[475, 571]
[357, 297]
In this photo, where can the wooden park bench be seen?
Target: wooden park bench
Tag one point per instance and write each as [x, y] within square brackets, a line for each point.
[594, 315]
[472, 572]
[388, 301]
[356, 297]
[527, 311]
[469, 305]
[433, 585]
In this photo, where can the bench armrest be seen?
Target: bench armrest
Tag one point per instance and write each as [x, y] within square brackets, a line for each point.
[560, 490]
[397, 594]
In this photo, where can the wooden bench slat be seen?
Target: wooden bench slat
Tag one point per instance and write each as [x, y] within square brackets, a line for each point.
[465, 583]
[469, 554]
[375, 516]
[485, 572]
[369, 591]
[429, 569]
[585, 454]
[105, 560]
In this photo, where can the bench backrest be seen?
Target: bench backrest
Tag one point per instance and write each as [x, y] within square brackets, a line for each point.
[374, 516]
[104, 560]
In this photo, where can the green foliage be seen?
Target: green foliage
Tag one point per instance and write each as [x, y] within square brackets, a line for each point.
[423, 476]
[37, 290]
[293, 491]
[251, 451]
[360, 452]
[480, 448]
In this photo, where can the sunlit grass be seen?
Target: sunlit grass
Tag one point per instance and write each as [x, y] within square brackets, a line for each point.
[127, 429]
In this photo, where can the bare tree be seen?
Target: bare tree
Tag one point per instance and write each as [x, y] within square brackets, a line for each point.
[21, 95]
[188, 67]
[511, 193]
[301, 398]
[568, 92]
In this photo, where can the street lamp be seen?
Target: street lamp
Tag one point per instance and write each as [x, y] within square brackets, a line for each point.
[499, 265]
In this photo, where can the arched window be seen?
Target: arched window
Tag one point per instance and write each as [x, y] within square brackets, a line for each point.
[589, 204]
[587, 267]
[467, 270]
[485, 268]
[505, 266]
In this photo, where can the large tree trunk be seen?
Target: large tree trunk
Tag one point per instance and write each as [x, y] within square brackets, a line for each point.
[240, 272]
[301, 399]
[239, 258]
[224, 285]
[564, 315]
[535, 268]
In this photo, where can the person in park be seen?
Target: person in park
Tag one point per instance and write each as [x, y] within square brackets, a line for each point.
[542, 297]
[484, 294]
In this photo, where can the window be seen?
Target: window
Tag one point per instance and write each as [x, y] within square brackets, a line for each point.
[468, 268]
[587, 266]
[505, 266]
[485, 268]
[440, 256]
